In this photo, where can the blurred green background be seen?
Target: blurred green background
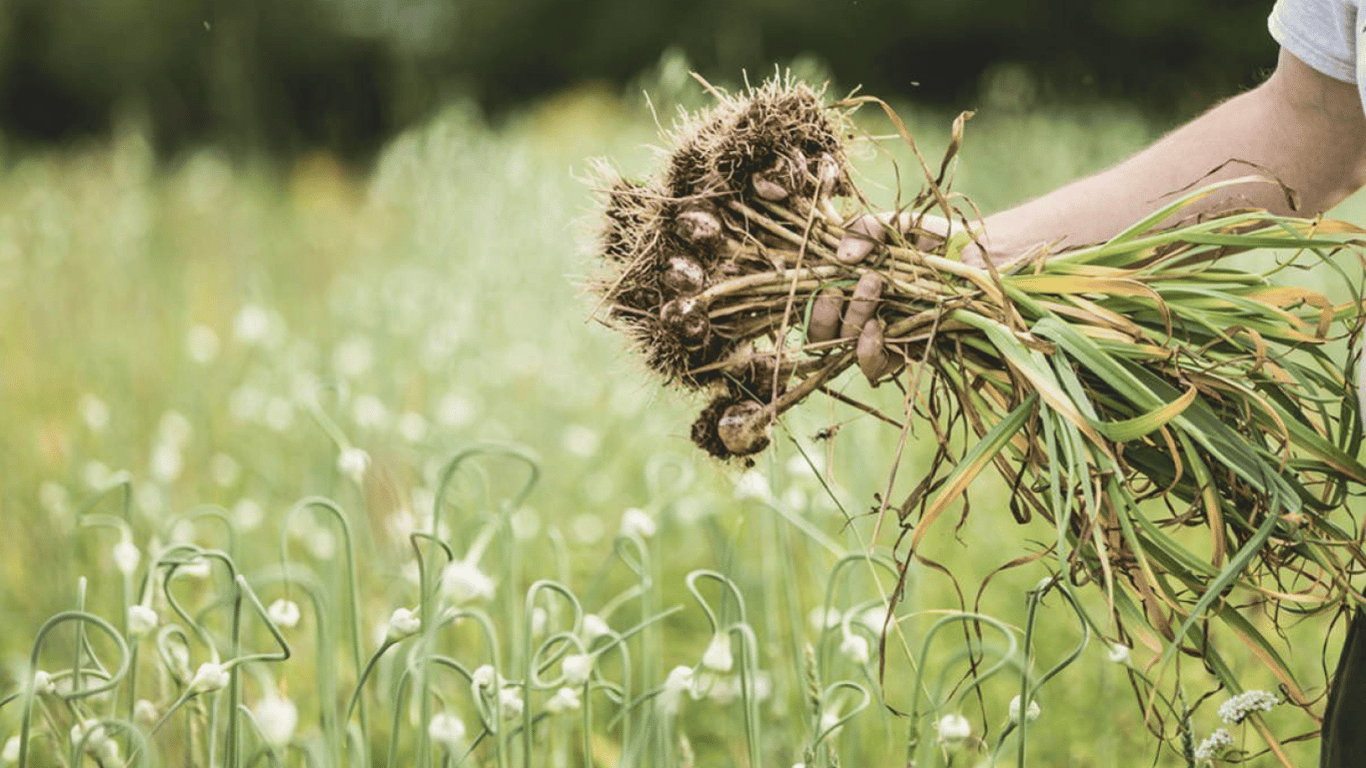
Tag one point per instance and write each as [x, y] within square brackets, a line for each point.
[227, 224]
[285, 75]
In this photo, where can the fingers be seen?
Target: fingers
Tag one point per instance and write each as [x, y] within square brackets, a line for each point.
[825, 315]
[873, 358]
[860, 238]
[862, 305]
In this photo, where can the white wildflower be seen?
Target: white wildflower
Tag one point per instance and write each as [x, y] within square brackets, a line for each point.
[278, 414]
[412, 426]
[284, 613]
[526, 523]
[201, 344]
[594, 627]
[141, 620]
[454, 410]
[586, 528]
[1239, 707]
[752, 485]
[1119, 653]
[566, 699]
[247, 514]
[10, 754]
[577, 668]
[252, 324]
[1031, 714]
[224, 469]
[246, 402]
[145, 712]
[353, 462]
[874, 618]
[718, 657]
[484, 679]
[126, 556]
[97, 741]
[199, 568]
[822, 619]
[1214, 746]
[953, 730]
[353, 357]
[463, 582]
[510, 704]
[94, 412]
[96, 475]
[855, 648]
[55, 499]
[402, 623]
[174, 428]
[42, 683]
[794, 499]
[150, 499]
[540, 621]
[830, 722]
[211, 676]
[369, 412]
[447, 730]
[679, 680]
[636, 522]
[277, 717]
[580, 440]
[166, 462]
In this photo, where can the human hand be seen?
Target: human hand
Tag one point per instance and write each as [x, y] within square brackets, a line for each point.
[832, 318]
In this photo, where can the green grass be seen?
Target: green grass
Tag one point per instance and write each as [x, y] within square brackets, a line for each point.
[223, 334]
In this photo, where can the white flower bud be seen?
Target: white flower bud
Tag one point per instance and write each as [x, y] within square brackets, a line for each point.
[277, 717]
[141, 620]
[565, 700]
[1214, 746]
[594, 627]
[635, 522]
[97, 741]
[42, 683]
[126, 557]
[823, 618]
[145, 712]
[510, 704]
[1031, 714]
[718, 657]
[855, 648]
[402, 623]
[484, 680]
[1119, 654]
[540, 620]
[10, 754]
[210, 677]
[284, 613]
[1239, 707]
[353, 462]
[463, 582]
[447, 730]
[953, 730]
[577, 668]
[679, 680]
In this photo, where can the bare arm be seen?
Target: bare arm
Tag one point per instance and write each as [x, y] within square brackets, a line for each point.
[1303, 127]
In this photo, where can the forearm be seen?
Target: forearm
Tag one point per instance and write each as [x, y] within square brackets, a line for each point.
[1302, 128]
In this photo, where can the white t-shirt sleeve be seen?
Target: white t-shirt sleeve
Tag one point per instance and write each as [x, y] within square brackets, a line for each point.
[1321, 33]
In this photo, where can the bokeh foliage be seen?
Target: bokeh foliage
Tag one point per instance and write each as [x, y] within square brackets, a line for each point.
[286, 75]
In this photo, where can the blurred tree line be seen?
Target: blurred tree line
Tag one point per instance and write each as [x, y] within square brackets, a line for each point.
[284, 76]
